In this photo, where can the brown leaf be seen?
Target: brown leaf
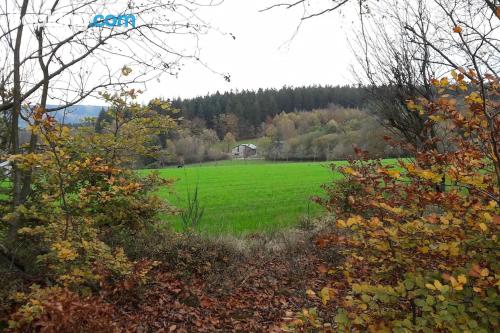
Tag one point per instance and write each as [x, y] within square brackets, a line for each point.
[206, 303]
[322, 268]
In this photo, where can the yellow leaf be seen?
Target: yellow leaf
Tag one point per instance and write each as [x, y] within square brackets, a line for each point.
[453, 249]
[126, 70]
[351, 171]
[474, 98]
[462, 279]
[429, 175]
[395, 210]
[438, 285]
[483, 226]
[488, 217]
[453, 281]
[341, 224]
[484, 272]
[455, 284]
[424, 249]
[430, 286]
[363, 306]
[353, 220]
[326, 295]
[375, 222]
[436, 118]
[394, 173]
[443, 247]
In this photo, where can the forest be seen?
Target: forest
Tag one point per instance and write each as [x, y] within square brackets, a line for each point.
[242, 113]
[253, 107]
[318, 135]
[210, 125]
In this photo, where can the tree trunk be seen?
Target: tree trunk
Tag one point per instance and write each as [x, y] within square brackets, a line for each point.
[26, 186]
[16, 111]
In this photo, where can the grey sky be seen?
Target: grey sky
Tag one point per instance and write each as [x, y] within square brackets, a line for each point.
[266, 52]
[260, 56]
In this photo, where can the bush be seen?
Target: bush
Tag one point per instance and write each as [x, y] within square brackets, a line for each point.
[57, 310]
[80, 196]
[421, 256]
[341, 196]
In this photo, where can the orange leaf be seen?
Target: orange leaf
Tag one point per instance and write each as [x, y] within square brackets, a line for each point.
[206, 303]
[322, 268]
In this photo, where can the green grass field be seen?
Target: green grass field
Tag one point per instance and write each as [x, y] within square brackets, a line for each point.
[246, 196]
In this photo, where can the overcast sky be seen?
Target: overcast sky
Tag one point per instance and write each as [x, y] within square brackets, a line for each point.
[261, 56]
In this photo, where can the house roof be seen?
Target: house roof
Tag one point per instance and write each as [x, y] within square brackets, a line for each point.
[249, 145]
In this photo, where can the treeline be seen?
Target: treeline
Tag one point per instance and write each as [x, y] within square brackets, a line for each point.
[187, 145]
[326, 134]
[242, 112]
[319, 135]
[306, 124]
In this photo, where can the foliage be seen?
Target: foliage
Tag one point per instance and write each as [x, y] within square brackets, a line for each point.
[420, 257]
[60, 310]
[229, 141]
[320, 134]
[251, 108]
[325, 134]
[80, 196]
[127, 130]
[185, 146]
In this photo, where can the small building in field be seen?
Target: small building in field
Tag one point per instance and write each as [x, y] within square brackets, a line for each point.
[5, 168]
[244, 150]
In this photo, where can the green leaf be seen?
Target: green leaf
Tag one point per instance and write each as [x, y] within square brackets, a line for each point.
[366, 298]
[409, 284]
[341, 317]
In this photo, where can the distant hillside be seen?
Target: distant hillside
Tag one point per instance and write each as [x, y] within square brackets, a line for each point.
[73, 114]
[76, 113]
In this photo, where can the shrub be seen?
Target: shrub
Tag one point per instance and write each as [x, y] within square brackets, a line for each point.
[341, 196]
[57, 310]
[80, 196]
[421, 256]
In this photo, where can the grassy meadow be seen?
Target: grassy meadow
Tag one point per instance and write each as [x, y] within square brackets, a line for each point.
[247, 196]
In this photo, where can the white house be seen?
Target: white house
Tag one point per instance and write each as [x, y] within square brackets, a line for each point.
[5, 168]
[244, 150]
